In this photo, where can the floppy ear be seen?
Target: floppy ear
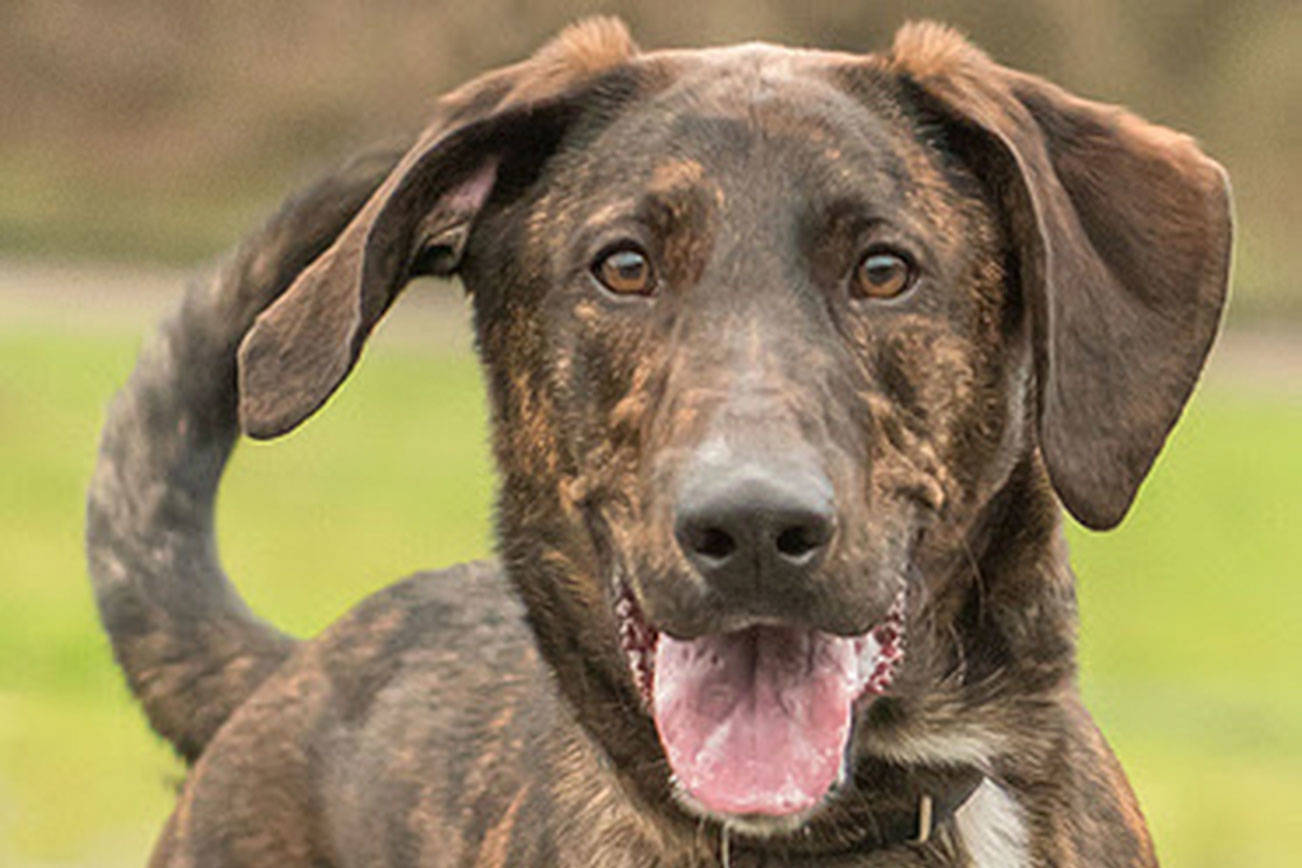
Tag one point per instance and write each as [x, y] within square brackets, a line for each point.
[1122, 231]
[303, 346]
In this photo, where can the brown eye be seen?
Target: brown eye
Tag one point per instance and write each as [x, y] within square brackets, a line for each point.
[881, 274]
[624, 271]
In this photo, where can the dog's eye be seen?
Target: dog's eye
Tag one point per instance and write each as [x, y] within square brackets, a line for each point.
[624, 271]
[881, 274]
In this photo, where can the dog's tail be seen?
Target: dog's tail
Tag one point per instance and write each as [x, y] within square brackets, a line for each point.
[191, 649]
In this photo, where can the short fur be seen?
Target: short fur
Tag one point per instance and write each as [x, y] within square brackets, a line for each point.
[1071, 265]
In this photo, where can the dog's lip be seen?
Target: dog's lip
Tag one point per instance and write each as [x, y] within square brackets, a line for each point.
[732, 624]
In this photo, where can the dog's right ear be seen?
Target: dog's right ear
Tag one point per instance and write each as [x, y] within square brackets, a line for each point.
[303, 346]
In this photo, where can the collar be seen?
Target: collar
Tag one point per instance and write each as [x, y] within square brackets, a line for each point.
[936, 798]
[897, 805]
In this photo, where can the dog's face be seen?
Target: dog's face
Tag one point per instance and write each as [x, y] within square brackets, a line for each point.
[777, 345]
[766, 332]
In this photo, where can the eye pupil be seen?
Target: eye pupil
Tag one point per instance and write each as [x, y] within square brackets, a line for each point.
[880, 272]
[626, 272]
[628, 265]
[882, 275]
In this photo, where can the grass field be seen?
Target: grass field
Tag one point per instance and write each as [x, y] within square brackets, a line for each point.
[1191, 641]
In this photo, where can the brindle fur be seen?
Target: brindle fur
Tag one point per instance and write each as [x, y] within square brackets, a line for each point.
[1073, 260]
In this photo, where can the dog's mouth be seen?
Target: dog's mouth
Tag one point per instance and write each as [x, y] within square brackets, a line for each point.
[755, 722]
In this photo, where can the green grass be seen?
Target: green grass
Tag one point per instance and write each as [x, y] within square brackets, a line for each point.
[1191, 657]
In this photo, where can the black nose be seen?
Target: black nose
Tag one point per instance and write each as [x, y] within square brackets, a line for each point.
[755, 528]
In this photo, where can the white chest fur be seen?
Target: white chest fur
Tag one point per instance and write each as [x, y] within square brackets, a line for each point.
[991, 828]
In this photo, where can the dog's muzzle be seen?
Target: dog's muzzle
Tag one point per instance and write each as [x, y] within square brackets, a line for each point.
[755, 718]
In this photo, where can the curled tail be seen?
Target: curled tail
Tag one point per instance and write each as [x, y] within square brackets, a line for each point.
[191, 649]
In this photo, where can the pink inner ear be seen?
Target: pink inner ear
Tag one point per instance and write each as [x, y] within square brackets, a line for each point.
[465, 199]
[447, 223]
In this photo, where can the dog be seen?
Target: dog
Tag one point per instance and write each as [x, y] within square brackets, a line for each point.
[793, 359]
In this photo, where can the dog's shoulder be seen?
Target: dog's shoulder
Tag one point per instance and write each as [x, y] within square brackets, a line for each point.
[436, 643]
[460, 629]
[423, 696]
[419, 609]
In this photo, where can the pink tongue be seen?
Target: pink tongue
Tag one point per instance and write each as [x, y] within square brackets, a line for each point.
[756, 721]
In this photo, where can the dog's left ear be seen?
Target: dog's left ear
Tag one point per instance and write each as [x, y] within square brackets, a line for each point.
[303, 346]
[1122, 231]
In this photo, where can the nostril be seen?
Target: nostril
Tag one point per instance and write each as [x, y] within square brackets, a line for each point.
[714, 543]
[799, 541]
[743, 527]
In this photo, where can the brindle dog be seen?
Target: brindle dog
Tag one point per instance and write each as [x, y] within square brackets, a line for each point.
[792, 356]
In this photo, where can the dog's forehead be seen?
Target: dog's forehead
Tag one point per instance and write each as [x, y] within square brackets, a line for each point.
[751, 121]
[766, 138]
[725, 102]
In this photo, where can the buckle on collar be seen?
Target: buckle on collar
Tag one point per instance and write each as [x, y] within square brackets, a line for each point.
[934, 810]
[924, 820]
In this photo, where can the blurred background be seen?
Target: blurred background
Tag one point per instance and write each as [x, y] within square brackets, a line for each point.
[139, 138]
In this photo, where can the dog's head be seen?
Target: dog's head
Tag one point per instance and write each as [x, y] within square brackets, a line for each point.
[770, 335]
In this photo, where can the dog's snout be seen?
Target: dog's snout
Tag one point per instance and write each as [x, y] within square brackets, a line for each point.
[752, 527]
